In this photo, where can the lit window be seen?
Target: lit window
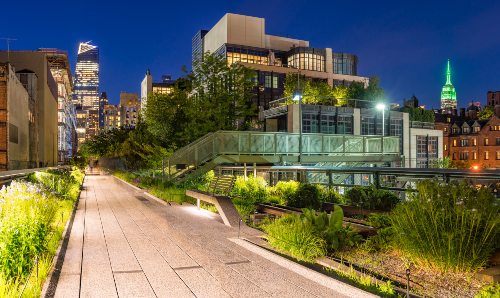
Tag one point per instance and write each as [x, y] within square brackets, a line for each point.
[454, 143]
[486, 142]
[486, 155]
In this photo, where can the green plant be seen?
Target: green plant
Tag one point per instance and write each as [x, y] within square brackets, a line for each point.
[283, 191]
[306, 196]
[490, 291]
[369, 197]
[451, 227]
[291, 235]
[379, 220]
[330, 195]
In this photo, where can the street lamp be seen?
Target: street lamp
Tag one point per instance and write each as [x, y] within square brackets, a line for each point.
[381, 106]
[298, 97]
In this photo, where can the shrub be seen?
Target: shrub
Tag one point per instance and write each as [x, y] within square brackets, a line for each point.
[283, 191]
[306, 196]
[451, 227]
[291, 235]
[26, 213]
[329, 227]
[369, 197]
[254, 189]
[330, 195]
[66, 184]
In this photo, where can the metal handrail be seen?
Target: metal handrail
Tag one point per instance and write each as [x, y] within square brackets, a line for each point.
[280, 143]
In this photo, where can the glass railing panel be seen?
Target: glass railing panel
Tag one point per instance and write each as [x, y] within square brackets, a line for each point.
[353, 144]
[373, 144]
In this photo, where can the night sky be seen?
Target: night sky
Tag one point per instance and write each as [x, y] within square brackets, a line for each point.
[405, 43]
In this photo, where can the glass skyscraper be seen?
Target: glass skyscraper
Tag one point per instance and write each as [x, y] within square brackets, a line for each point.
[86, 90]
[86, 87]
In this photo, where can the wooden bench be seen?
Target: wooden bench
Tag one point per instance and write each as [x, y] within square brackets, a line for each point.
[217, 194]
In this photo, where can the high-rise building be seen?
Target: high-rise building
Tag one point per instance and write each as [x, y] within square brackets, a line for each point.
[34, 72]
[448, 93]
[148, 86]
[111, 117]
[103, 101]
[129, 110]
[86, 89]
[243, 39]
[60, 69]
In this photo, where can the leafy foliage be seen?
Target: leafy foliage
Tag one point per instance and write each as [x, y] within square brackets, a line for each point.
[329, 227]
[306, 196]
[448, 226]
[369, 197]
[486, 113]
[291, 235]
[419, 114]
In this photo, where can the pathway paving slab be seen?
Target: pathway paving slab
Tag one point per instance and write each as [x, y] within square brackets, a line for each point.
[126, 244]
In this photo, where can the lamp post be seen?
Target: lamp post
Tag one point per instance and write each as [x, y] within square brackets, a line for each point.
[298, 97]
[381, 106]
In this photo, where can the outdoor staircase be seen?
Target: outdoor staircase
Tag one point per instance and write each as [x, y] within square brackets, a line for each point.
[239, 147]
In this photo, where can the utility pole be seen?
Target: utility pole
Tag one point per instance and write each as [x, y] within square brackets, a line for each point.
[7, 41]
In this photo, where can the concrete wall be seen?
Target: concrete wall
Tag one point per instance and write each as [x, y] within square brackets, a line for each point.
[47, 101]
[18, 117]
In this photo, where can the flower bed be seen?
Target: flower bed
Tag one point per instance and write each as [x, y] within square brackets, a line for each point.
[33, 214]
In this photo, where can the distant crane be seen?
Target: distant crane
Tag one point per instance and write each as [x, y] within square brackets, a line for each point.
[7, 41]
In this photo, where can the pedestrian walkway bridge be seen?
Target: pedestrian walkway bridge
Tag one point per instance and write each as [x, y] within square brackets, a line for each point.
[230, 147]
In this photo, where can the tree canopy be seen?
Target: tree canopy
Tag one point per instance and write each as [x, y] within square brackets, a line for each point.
[319, 92]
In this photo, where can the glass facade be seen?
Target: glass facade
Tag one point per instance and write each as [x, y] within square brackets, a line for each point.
[346, 64]
[197, 46]
[86, 89]
[427, 151]
[246, 55]
[307, 58]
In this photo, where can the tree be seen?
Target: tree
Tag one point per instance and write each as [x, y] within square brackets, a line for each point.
[486, 113]
[221, 96]
[314, 92]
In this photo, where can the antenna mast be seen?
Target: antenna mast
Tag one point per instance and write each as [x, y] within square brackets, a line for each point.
[7, 41]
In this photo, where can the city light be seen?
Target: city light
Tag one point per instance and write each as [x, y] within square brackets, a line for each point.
[380, 106]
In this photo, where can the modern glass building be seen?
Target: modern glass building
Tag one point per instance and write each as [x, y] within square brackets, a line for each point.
[86, 87]
[243, 39]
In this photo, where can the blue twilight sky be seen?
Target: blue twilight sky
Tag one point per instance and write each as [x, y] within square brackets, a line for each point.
[405, 43]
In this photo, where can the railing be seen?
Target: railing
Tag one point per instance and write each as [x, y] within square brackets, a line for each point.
[276, 143]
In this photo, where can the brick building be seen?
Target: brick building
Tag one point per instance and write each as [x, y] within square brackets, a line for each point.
[470, 142]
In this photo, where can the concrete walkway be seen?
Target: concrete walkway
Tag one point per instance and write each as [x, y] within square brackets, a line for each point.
[125, 244]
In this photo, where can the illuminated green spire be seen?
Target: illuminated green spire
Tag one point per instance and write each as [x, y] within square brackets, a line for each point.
[448, 74]
[448, 93]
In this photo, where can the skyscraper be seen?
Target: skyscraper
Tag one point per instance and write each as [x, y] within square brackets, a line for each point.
[86, 89]
[448, 93]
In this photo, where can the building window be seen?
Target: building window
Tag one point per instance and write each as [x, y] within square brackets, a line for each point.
[476, 128]
[367, 126]
[445, 147]
[275, 81]
[267, 81]
[474, 142]
[427, 150]
[456, 130]
[486, 155]
[344, 124]
[455, 143]
[474, 155]
[396, 128]
[464, 142]
[464, 155]
[327, 124]
[307, 58]
[445, 129]
[498, 155]
[498, 141]
[486, 142]
[309, 123]
[466, 129]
